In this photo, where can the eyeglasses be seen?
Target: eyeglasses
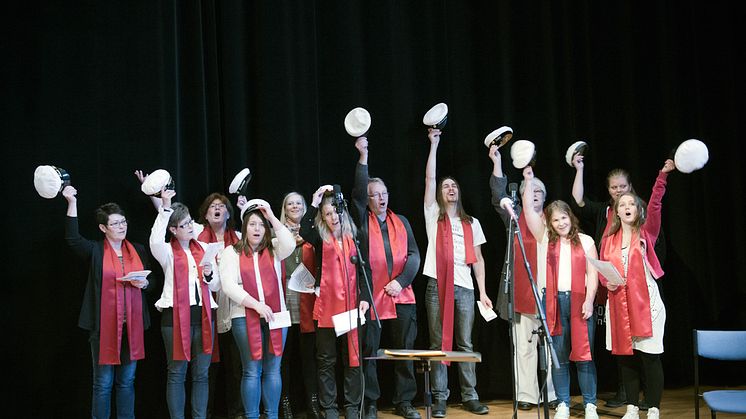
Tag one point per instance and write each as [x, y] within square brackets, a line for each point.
[378, 195]
[187, 224]
[120, 223]
[217, 206]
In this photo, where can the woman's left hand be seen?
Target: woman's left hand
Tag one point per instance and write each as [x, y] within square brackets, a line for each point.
[587, 310]
[207, 269]
[139, 283]
[363, 307]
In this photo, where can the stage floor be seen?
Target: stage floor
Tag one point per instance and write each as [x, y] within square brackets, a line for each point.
[678, 403]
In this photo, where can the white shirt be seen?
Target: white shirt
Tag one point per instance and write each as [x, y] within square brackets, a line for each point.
[461, 271]
[564, 277]
[164, 254]
[230, 273]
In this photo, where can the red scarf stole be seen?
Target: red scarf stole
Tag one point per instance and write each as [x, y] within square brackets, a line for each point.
[581, 347]
[182, 350]
[271, 291]
[629, 306]
[114, 299]
[334, 297]
[523, 293]
[307, 300]
[208, 236]
[601, 294]
[229, 239]
[385, 304]
[444, 270]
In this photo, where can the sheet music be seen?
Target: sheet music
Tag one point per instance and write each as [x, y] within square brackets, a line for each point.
[487, 313]
[301, 280]
[346, 321]
[211, 251]
[281, 319]
[135, 276]
[608, 270]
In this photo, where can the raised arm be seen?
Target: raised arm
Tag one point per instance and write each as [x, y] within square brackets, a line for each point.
[430, 168]
[578, 189]
[158, 245]
[360, 186]
[307, 229]
[655, 206]
[140, 175]
[284, 242]
[81, 246]
[533, 218]
[498, 182]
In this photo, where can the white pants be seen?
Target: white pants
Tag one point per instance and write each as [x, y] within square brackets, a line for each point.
[527, 358]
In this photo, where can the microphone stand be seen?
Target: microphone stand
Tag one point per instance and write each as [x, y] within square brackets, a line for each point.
[508, 289]
[545, 339]
[358, 260]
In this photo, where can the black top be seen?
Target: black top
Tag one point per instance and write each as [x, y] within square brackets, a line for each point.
[360, 214]
[310, 234]
[93, 252]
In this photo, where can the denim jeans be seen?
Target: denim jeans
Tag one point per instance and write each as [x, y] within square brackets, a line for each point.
[106, 376]
[463, 323]
[562, 344]
[176, 375]
[261, 380]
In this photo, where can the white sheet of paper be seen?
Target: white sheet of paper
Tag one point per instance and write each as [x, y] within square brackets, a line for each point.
[300, 280]
[282, 319]
[346, 321]
[608, 270]
[487, 313]
[135, 275]
[212, 250]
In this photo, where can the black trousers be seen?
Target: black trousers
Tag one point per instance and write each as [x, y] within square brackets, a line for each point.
[225, 379]
[403, 332]
[652, 368]
[328, 348]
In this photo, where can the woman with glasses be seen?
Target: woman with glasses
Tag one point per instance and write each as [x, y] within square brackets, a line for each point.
[114, 312]
[187, 305]
[251, 272]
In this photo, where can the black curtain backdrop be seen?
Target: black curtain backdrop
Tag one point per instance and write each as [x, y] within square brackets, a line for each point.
[203, 89]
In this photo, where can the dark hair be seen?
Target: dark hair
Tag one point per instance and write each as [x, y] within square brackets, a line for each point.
[104, 211]
[242, 246]
[206, 206]
[561, 206]
[616, 222]
[442, 205]
[180, 212]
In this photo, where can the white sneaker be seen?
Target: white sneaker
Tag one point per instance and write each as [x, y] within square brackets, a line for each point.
[590, 411]
[633, 412]
[654, 413]
[562, 412]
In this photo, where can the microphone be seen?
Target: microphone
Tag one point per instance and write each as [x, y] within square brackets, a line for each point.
[339, 199]
[513, 187]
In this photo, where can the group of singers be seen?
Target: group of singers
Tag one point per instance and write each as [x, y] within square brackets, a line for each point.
[243, 290]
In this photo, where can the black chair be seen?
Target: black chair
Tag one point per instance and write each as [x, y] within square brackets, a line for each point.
[724, 346]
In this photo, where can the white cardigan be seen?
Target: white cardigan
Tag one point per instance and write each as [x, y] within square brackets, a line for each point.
[230, 272]
[164, 254]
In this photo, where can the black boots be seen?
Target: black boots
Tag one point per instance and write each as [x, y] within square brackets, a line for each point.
[286, 409]
[314, 410]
